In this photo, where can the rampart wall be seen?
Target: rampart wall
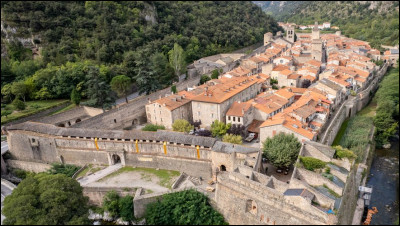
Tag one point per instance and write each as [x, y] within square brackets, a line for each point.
[96, 194]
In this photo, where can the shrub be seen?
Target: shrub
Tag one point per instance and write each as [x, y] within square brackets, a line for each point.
[5, 113]
[218, 129]
[274, 87]
[152, 127]
[353, 93]
[187, 207]
[311, 163]
[181, 125]
[18, 104]
[126, 208]
[111, 203]
[215, 74]
[173, 89]
[204, 79]
[66, 169]
[231, 138]
[342, 153]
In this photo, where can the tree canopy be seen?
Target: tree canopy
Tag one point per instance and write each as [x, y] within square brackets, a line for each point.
[46, 200]
[219, 129]
[182, 125]
[187, 207]
[282, 149]
[121, 84]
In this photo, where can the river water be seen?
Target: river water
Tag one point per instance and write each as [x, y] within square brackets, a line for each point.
[384, 177]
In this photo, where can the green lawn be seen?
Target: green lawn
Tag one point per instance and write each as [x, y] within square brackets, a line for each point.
[32, 107]
[165, 176]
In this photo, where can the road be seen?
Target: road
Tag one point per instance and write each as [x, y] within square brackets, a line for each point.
[4, 147]
[5, 191]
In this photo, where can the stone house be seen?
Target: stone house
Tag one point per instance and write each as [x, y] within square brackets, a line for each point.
[240, 114]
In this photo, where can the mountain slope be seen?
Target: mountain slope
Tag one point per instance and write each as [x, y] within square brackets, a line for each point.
[373, 21]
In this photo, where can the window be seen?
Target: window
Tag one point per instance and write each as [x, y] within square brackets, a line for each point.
[212, 115]
[281, 61]
[229, 118]
[238, 119]
[234, 118]
[115, 121]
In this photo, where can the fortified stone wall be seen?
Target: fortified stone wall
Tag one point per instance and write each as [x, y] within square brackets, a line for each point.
[132, 113]
[73, 116]
[241, 200]
[96, 194]
[28, 166]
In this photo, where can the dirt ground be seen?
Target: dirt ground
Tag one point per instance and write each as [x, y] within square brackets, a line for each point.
[134, 179]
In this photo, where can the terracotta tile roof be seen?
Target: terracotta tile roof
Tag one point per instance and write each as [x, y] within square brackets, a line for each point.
[294, 76]
[254, 126]
[286, 72]
[272, 121]
[305, 111]
[284, 93]
[296, 90]
[309, 77]
[238, 109]
[339, 81]
[256, 59]
[296, 127]
[174, 101]
[280, 68]
[221, 92]
[314, 63]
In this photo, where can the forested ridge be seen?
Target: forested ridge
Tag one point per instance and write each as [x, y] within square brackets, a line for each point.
[373, 21]
[85, 44]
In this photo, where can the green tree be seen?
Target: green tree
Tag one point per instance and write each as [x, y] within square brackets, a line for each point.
[98, 90]
[19, 104]
[121, 84]
[182, 125]
[187, 207]
[152, 127]
[6, 92]
[67, 169]
[204, 79]
[43, 94]
[19, 89]
[46, 200]
[219, 129]
[173, 89]
[177, 59]
[215, 74]
[5, 113]
[75, 97]
[282, 149]
[111, 203]
[231, 138]
[125, 206]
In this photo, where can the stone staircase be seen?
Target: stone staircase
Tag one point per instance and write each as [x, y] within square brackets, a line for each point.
[196, 181]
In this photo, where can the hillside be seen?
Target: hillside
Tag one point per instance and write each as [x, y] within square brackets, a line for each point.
[373, 21]
[130, 38]
[278, 8]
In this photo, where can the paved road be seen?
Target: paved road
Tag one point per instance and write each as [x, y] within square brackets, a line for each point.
[99, 174]
[5, 191]
[4, 147]
[130, 97]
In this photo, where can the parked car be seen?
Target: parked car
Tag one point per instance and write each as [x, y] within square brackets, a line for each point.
[251, 137]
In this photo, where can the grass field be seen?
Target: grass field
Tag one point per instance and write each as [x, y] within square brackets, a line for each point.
[32, 107]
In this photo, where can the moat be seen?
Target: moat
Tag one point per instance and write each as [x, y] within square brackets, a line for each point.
[384, 177]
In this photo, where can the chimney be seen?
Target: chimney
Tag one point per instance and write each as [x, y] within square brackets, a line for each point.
[164, 104]
[243, 111]
[183, 96]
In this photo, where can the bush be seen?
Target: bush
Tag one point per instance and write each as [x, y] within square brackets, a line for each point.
[215, 74]
[111, 203]
[173, 89]
[126, 208]
[66, 169]
[342, 153]
[181, 125]
[231, 138]
[187, 207]
[353, 93]
[204, 79]
[152, 127]
[5, 113]
[219, 129]
[18, 104]
[311, 163]
[274, 87]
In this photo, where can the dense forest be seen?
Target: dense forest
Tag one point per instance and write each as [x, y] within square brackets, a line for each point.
[375, 22]
[83, 45]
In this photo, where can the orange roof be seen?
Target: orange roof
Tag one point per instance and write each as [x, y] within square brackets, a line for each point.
[339, 81]
[284, 93]
[314, 63]
[280, 68]
[238, 109]
[309, 77]
[294, 76]
[219, 93]
[174, 101]
[286, 72]
[254, 127]
[296, 90]
[272, 121]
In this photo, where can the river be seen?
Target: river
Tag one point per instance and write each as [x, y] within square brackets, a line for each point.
[384, 177]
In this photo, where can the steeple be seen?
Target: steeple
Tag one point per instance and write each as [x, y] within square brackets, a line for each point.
[315, 31]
